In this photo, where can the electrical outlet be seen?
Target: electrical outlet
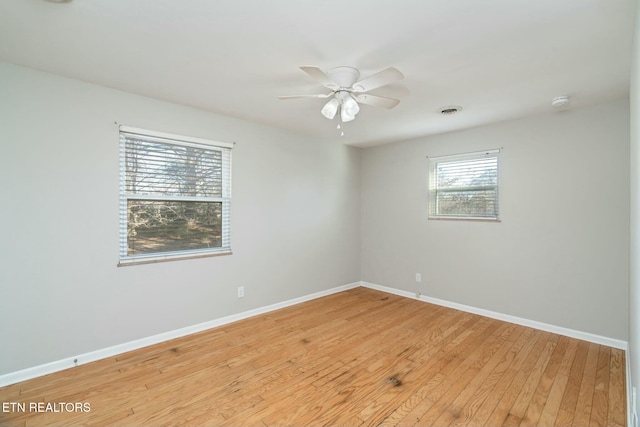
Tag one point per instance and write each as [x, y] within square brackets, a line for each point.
[240, 291]
[418, 277]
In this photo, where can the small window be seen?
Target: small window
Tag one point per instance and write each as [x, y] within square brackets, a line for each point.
[464, 186]
[175, 196]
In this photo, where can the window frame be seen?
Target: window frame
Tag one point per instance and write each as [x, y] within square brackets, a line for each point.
[433, 188]
[180, 141]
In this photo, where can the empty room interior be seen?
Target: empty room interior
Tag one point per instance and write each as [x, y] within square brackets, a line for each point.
[320, 212]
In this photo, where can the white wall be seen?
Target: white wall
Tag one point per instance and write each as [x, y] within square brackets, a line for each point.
[561, 253]
[634, 290]
[307, 216]
[295, 221]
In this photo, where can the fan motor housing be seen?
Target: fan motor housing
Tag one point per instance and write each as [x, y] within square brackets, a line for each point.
[345, 77]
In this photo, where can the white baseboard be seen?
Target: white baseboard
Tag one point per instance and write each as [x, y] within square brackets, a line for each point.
[585, 336]
[92, 356]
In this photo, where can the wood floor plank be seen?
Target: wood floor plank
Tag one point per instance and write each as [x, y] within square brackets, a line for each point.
[567, 409]
[518, 410]
[584, 405]
[355, 358]
[600, 405]
[554, 399]
[521, 372]
[617, 387]
[460, 410]
[483, 400]
[539, 398]
[450, 406]
[417, 370]
[449, 364]
[437, 355]
[401, 365]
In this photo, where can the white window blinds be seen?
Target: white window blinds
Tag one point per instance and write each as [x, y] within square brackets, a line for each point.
[175, 196]
[464, 186]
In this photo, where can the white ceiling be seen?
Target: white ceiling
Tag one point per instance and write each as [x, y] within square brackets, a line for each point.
[498, 59]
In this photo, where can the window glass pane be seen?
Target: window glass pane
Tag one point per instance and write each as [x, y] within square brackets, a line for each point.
[165, 169]
[156, 226]
[468, 173]
[464, 187]
[467, 203]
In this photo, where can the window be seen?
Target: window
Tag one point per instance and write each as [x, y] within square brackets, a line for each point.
[464, 186]
[175, 196]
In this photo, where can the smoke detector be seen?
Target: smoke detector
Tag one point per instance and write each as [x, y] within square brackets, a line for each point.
[560, 101]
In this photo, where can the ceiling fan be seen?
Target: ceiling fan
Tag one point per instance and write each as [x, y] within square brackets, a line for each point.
[347, 91]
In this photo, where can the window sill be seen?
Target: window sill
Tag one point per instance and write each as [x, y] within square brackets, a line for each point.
[166, 258]
[464, 218]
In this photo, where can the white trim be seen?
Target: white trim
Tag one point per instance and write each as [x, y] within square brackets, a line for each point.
[464, 218]
[465, 155]
[151, 259]
[585, 336]
[92, 356]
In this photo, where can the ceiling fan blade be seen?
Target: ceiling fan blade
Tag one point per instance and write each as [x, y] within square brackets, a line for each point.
[376, 100]
[318, 95]
[320, 76]
[382, 78]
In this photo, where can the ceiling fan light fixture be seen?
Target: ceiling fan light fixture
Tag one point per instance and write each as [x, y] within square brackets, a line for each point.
[330, 108]
[348, 90]
[346, 117]
[350, 106]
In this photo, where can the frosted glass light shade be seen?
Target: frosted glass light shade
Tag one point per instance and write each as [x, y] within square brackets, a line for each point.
[349, 109]
[330, 108]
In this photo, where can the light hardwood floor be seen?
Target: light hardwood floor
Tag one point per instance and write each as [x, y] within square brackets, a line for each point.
[359, 357]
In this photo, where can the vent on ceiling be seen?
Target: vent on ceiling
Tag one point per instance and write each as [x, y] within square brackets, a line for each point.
[450, 109]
